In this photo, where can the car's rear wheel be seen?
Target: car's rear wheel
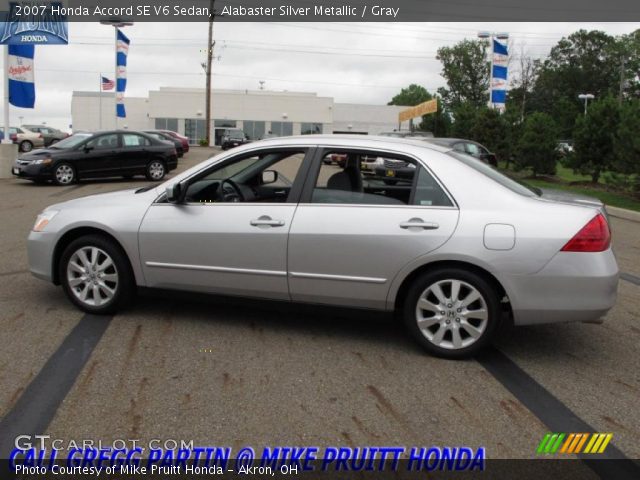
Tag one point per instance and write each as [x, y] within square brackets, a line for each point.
[156, 171]
[452, 312]
[26, 146]
[96, 275]
[64, 174]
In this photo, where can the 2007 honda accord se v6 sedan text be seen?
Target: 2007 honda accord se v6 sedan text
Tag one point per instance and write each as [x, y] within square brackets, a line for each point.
[454, 247]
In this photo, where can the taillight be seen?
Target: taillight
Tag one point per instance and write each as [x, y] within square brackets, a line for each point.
[593, 237]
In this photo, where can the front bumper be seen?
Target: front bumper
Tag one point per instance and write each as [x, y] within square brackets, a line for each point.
[31, 171]
[572, 287]
[40, 247]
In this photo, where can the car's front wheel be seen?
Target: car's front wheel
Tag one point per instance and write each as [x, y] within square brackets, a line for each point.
[156, 171]
[96, 275]
[452, 312]
[64, 174]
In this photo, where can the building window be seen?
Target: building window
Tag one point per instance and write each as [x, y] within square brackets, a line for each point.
[253, 130]
[310, 128]
[195, 130]
[224, 123]
[282, 129]
[167, 124]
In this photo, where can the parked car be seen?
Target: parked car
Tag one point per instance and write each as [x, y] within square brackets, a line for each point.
[184, 140]
[13, 135]
[454, 252]
[49, 134]
[407, 134]
[93, 155]
[26, 139]
[165, 137]
[233, 137]
[467, 146]
[565, 147]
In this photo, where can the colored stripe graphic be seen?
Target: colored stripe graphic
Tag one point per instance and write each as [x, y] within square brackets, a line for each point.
[572, 443]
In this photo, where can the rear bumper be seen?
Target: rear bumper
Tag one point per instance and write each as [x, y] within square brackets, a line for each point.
[572, 287]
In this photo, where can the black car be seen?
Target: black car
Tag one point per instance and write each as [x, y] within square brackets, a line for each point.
[232, 138]
[49, 134]
[165, 137]
[467, 146]
[118, 153]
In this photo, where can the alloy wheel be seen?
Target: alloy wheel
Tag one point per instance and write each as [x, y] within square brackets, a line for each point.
[452, 314]
[92, 276]
[64, 174]
[156, 170]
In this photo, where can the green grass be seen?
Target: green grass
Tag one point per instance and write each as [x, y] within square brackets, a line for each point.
[608, 198]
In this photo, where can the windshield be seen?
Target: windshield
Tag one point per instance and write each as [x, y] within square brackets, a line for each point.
[72, 141]
[495, 175]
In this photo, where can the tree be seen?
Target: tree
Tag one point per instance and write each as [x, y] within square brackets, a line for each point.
[523, 80]
[464, 116]
[537, 145]
[466, 70]
[438, 123]
[489, 129]
[594, 138]
[627, 142]
[411, 96]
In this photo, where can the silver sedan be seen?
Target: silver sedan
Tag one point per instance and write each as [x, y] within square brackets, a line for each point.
[450, 243]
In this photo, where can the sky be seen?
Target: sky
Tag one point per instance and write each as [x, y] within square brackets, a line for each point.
[365, 63]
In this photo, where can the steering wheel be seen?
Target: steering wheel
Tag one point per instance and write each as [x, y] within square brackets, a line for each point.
[230, 191]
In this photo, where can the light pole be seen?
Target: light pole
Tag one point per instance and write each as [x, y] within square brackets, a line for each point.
[116, 23]
[586, 97]
[491, 36]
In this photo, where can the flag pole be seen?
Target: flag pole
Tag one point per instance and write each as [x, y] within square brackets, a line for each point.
[7, 137]
[115, 79]
[100, 100]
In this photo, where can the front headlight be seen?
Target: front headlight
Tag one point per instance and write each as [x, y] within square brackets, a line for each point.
[43, 161]
[43, 220]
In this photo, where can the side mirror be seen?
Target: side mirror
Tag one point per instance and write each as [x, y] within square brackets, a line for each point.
[87, 149]
[174, 193]
[269, 176]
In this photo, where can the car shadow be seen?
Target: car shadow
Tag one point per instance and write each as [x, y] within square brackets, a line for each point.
[303, 319]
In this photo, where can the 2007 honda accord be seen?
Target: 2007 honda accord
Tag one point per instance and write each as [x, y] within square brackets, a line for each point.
[454, 247]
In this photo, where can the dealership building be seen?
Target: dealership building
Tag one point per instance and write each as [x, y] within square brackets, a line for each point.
[256, 112]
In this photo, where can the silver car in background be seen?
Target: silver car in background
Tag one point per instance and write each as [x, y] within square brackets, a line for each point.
[453, 245]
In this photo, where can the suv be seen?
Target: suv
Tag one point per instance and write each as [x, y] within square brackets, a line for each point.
[233, 137]
[49, 134]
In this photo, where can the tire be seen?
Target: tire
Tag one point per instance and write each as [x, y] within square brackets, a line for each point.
[64, 174]
[93, 289]
[459, 332]
[156, 170]
[25, 146]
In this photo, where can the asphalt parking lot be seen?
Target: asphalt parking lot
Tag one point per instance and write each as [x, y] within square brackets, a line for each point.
[236, 373]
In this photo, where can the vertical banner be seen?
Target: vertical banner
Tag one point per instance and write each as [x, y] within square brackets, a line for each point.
[122, 50]
[499, 71]
[22, 90]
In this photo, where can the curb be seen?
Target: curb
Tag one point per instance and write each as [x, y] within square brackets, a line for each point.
[623, 213]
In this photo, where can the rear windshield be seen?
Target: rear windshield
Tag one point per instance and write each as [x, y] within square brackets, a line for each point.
[493, 174]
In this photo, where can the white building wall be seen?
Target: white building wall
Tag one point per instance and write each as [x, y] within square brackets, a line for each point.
[371, 119]
[93, 111]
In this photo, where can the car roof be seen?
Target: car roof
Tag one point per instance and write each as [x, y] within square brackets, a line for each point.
[346, 140]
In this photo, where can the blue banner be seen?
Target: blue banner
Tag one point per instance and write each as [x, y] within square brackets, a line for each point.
[499, 75]
[22, 90]
[122, 51]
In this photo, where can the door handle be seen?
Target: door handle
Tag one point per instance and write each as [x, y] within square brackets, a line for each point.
[266, 221]
[419, 223]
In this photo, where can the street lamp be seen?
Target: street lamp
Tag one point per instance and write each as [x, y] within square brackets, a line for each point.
[491, 36]
[116, 23]
[586, 97]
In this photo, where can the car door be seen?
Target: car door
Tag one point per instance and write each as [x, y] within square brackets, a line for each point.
[238, 246]
[98, 157]
[352, 234]
[135, 153]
